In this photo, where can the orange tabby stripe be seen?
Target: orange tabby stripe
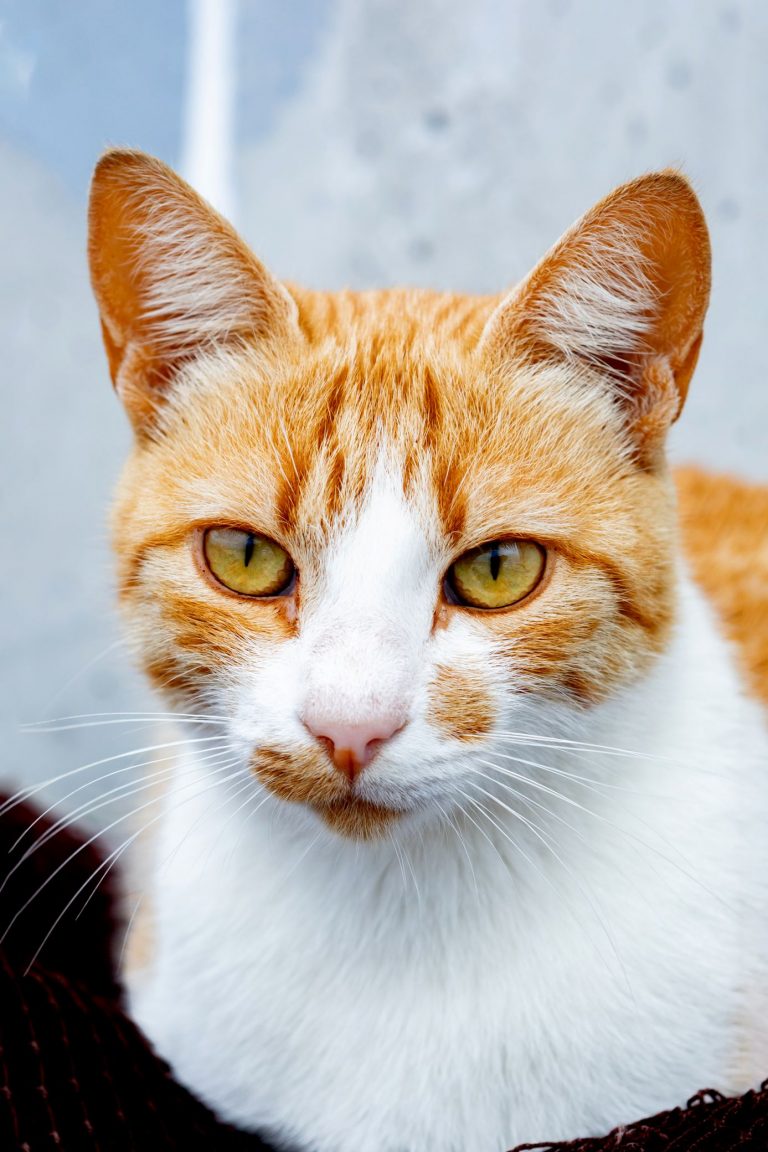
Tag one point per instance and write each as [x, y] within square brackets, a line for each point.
[459, 704]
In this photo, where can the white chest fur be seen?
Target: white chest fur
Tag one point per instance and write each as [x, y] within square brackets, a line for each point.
[467, 997]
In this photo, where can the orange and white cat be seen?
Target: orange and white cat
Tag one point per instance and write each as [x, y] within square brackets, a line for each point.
[475, 848]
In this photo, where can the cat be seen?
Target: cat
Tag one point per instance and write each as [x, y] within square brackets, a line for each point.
[472, 848]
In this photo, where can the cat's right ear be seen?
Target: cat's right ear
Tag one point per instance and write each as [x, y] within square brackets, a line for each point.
[171, 278]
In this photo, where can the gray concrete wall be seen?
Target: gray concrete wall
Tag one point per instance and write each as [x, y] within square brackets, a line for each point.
[376, 141]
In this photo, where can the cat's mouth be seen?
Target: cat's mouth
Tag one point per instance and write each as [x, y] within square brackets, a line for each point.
[304, 777]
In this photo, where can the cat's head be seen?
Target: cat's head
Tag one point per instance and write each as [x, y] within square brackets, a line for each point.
[376, 530]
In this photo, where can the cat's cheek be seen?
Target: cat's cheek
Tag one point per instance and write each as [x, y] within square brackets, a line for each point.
[261, 695]
[226, 635]
[176, 677]
[460, 704]
[191, 644]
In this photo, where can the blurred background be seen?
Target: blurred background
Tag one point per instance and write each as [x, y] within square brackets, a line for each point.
[353, 142]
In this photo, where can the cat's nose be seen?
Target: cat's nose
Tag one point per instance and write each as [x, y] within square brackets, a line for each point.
[352, 746]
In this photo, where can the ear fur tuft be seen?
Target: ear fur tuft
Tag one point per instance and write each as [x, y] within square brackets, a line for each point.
[624, 291]
[171, 277]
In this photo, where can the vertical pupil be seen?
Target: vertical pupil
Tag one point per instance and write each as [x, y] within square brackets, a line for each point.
[495, 561]
[249, 545]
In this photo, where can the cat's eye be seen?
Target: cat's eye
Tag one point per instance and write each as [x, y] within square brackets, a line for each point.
[498, 574]
[247, 563]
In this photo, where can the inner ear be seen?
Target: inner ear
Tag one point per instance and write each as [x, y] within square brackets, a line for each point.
[171, 278]
[625, 292]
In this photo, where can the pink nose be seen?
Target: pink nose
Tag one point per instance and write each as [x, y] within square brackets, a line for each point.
[354, 745]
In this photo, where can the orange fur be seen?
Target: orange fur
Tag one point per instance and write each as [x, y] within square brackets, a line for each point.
[503, 417]
[459, 705]
[575, 492]
[724, 524]
[307, 778]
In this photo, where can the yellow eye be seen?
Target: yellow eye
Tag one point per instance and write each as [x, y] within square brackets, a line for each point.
[498, 574]
[246, 562]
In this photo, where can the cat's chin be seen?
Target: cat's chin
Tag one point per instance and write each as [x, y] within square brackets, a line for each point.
[357, 819]
[304, 777]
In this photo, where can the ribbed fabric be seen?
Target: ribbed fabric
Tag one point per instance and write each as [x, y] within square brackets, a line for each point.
[709, 1123]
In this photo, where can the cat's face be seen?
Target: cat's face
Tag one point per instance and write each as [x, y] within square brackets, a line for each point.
[376, 531]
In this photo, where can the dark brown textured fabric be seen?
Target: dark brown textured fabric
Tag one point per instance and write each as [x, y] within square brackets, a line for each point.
[77, 1076]
[710, 1123]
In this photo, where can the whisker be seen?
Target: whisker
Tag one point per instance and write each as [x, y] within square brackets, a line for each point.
[279, 462]
[170, 713]
[586, 781]
[251, 785]
[127, 933]
[105, 865]
[89, 784]
[396, 847]
[31, 790]
[43, 727]
[584, 746]
[102, 800]
[476, 804]
[452, 824]
[533, 827]
[76, 852]
[260, 788]
[67, 822]
[235, 778]
[569, 871]
[530, 803]
[604, 819]
[205, 815]
[288, 446]
[413, 874]
[545, 811]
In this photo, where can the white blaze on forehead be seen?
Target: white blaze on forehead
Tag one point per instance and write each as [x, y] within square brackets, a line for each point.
[363, 637]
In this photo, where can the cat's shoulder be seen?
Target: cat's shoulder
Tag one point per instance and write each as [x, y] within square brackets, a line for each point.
[724, 525]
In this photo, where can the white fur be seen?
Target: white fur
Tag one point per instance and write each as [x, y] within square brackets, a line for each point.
[600, 307]
[200, 286]
[463, 986]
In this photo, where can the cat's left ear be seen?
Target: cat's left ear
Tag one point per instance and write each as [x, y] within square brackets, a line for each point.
[172, 279]
[625, 292]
